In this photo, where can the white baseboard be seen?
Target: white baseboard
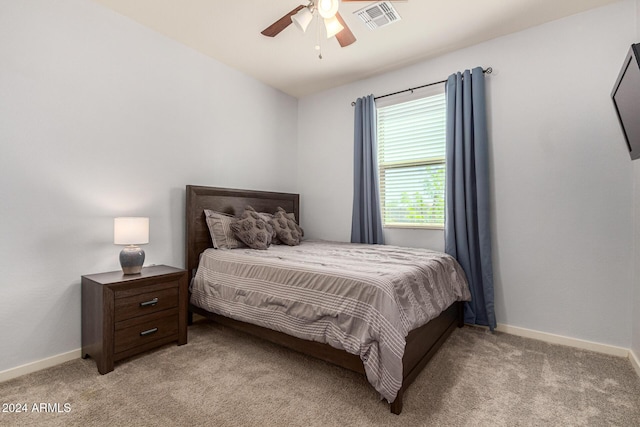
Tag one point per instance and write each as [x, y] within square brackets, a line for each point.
[559, 339]
[39, 365]
[635, 361]
[513, 330]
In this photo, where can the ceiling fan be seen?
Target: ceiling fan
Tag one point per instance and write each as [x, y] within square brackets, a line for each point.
[302, 15]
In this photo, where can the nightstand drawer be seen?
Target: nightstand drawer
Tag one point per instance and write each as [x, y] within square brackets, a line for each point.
[145, 303]
[132, 334]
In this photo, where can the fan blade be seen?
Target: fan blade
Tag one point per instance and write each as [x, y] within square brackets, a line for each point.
[282, 23]
[345, 37]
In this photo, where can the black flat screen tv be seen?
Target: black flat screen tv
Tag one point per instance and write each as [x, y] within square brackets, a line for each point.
[626, 99]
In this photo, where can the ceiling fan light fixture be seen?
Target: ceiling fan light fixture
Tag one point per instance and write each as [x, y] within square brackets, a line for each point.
[327, 8]
[302, 19]
[333, 26]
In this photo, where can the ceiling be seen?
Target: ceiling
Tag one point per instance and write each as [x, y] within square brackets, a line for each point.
[229, 31]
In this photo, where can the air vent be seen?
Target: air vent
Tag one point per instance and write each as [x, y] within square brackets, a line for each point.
[378, 15]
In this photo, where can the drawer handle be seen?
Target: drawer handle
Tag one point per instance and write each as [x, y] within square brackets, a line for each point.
[149, 303]
[148, 332]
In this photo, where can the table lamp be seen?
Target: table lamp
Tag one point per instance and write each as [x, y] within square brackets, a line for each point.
[131, 231]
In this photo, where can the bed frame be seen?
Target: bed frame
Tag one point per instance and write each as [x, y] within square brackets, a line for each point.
[422, 343]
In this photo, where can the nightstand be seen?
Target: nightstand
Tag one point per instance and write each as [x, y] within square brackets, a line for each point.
[124, 315]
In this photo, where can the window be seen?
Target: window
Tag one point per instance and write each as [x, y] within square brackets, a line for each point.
[411, 153]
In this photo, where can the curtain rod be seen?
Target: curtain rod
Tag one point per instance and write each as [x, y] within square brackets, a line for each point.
[487, 70]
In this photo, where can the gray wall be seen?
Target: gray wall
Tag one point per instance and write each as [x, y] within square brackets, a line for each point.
[101, 117]
[562, 179]
[635, 345]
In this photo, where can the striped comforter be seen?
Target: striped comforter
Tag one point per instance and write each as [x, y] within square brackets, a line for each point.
[363, 299]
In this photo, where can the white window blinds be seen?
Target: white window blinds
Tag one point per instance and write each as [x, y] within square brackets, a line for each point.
[411, 152]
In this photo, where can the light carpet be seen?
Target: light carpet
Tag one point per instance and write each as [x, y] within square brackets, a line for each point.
[226, 378]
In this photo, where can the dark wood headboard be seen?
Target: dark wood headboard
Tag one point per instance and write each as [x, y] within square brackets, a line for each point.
[229, 201]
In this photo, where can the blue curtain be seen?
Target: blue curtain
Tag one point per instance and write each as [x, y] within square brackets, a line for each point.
[467, 224]
[366, 222]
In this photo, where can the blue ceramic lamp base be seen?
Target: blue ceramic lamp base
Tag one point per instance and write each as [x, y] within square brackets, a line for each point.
[131, 259]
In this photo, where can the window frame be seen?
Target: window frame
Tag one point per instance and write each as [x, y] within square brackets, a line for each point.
[439, 160]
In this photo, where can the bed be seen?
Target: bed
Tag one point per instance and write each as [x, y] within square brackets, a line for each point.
[421, 342]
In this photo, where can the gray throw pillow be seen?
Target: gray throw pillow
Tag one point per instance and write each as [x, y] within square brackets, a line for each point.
[286, 228]
[268, 218]
[252, 230]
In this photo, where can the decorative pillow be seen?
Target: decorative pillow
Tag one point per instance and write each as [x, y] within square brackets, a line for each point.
[220, 230]
[298, 228]
[268, 218]
[286, 228]
[252, 230]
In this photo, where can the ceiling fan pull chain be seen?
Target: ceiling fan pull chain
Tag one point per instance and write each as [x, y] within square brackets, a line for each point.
[318, 38]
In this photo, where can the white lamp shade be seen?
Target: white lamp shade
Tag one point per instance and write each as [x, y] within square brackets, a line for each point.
[333, 26]
[302, 19]
[327, 8]
[131, 231]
